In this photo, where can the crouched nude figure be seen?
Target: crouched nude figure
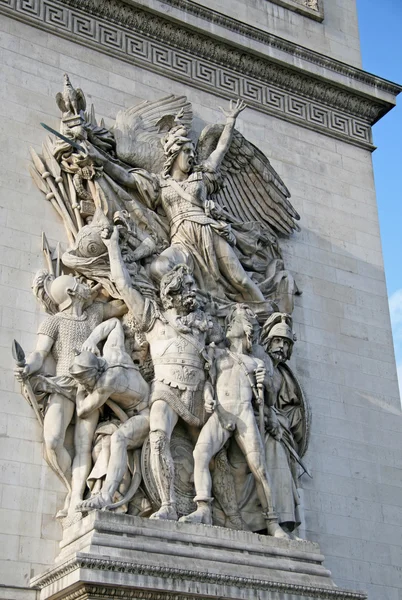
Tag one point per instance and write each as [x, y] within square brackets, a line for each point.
[112, 377]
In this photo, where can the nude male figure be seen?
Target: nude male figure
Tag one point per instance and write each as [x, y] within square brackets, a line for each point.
[114, 376]
[237, 372]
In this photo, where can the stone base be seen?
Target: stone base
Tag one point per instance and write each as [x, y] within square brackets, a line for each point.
[119, 556]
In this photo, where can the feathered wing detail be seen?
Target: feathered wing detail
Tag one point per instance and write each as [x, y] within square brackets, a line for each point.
[138, 130]
[252, 190]
[81, 100]
[60, 102]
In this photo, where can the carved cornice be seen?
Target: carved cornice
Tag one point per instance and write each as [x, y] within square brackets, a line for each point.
[81, 561]
[273, 41]
[155, 43]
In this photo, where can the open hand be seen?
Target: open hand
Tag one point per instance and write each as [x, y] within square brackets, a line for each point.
[88, 346]
[234, 109]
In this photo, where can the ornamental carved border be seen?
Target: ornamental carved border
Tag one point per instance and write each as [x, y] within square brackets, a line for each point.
[99, 590]
[154, 43]
[273, 41]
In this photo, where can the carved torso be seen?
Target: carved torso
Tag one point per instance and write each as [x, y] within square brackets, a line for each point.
[177, 359]
[233, 385]
[69, 333]
[177, 208]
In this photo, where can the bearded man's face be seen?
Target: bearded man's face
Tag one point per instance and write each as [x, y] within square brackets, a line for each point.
[279, 349]
[187, 297]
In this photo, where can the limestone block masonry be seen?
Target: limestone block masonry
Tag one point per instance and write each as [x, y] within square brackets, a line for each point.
[310, 111]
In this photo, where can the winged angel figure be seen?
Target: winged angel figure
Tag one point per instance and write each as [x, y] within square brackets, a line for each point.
[217, 206]
[230, 250]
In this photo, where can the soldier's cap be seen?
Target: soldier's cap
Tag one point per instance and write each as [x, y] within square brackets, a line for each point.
[86, 363]
[278, 325]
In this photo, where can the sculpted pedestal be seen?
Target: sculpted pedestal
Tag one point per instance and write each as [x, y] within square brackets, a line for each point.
[121, 556]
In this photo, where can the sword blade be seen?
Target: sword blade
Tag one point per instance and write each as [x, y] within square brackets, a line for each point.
[64, 138]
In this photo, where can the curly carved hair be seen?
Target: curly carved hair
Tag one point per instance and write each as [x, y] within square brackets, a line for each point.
[172, 284]
[41, 289]
[249, 320]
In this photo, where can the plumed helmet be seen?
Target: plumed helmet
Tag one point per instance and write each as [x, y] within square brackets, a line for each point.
[84, 363]
[59, 289]
[41, 289]
[278, 325]
[176, 136]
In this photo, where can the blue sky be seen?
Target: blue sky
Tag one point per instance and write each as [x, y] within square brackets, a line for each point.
[380, 25]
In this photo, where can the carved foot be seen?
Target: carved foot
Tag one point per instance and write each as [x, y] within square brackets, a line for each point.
[96, 502]
[274, 529]
[202, 515]
[61, 514]
[167, 512]
[70, 519]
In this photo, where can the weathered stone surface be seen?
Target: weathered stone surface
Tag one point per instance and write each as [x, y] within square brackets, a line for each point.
[329, 355]
[109, 555]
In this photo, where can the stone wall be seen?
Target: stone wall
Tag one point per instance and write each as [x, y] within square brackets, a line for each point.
[337, 36]
[344, 357]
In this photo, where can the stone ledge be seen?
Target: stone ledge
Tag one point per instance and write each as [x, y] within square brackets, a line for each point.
[12, 592]
[127, 554]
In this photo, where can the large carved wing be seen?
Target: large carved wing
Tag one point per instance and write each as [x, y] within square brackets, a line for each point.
[138, 130]
[252, 190]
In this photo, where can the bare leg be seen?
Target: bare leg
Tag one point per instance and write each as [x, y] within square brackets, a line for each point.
[83, 436]
[58, 416]
[231, 268]
[249, 440]
[212, 439]
[162, 422]
[129, 436]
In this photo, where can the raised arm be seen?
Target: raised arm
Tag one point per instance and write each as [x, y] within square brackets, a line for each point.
[134, 300]
[216, 157]
[115, 171]
[100, 333]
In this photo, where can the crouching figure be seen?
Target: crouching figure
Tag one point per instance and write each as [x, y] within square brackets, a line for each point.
[115, 380]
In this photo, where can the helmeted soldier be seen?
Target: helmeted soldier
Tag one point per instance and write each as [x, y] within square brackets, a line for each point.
[60, 335]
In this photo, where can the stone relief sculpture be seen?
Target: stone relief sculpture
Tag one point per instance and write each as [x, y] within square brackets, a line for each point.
[235, 374]
[169, 321]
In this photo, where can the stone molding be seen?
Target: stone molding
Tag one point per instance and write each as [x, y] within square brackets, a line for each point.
[110, 565]
[307, 8]
[275, 42]
[151, 41]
